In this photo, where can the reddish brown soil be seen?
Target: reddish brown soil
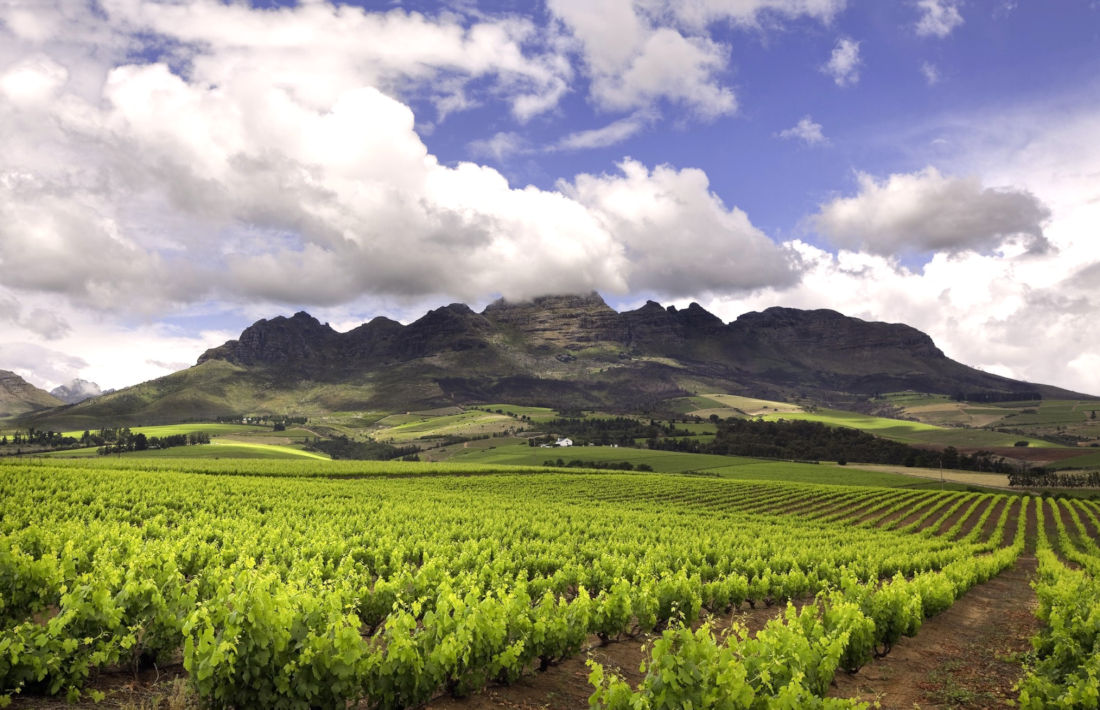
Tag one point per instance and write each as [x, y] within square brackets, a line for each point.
[918, 510]
[849, 509]
[967, 657]
[991, 521]
[1067, 519]
[1090, 528]
[808, 505]
[972, 520]
[940, 517]
[1049, 523]
[946, 523]
[869, 515]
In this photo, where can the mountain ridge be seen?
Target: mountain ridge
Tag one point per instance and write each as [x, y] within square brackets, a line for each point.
[565, 351]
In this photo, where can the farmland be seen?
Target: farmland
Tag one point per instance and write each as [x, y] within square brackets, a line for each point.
[283, 584]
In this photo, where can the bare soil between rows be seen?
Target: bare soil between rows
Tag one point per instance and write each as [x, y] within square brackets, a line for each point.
[968, 657]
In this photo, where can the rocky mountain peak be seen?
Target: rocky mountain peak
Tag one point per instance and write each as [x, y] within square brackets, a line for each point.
[573, 322]
[279, 340]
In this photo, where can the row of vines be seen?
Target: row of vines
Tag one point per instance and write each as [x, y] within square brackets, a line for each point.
[287, 592]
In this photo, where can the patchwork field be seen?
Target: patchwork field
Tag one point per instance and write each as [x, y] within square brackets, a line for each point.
[319, 584]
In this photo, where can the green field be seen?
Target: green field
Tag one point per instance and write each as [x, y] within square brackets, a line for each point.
[410, 583]
[1089, 458]
[535, 414]
[520, 454]
[402, 428]
[211, 428]
[909, 432]
[217, 448]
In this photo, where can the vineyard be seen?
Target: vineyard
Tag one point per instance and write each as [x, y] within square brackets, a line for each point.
[395, 585]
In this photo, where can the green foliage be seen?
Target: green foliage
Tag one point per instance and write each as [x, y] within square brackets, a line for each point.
[286, 590]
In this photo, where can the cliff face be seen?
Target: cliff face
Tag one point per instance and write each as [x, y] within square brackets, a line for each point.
[576, 350]
[18, 396]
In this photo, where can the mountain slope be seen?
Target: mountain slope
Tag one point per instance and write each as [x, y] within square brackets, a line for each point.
[560, 351]
[18, 396]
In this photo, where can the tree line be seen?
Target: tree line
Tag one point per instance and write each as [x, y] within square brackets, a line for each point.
[117, 441]
[814, 441]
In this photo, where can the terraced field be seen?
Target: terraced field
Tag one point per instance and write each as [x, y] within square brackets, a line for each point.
[266, 584]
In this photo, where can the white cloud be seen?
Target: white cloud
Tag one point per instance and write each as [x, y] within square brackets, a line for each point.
[499, 146]
[806, 130]
[931, 73]
[612, 133]
[914, 213]
[678, 236]
[640, 52]
[844, 62]
[938, 18]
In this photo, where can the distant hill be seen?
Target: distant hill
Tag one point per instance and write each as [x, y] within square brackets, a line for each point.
[558, 351]
[17, 396]
[76, 391]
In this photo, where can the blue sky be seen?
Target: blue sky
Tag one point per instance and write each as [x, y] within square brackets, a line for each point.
[175, 170]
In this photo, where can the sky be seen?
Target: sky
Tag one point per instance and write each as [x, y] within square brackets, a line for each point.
[172, 171]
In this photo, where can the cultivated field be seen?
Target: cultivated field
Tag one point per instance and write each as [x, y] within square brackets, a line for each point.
[285, 585]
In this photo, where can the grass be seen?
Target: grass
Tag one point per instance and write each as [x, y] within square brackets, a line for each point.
[1087, 459]
[403, 428]
[751, 405]
[535, 414]
[217, 448]
[909, 432]
[661, 461]
[737, 467]
[211, 428]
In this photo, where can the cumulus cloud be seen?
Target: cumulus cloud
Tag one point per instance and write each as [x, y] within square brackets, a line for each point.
[938, 18]
[806, 130]
[268, 168]
[639, 52]
[913, 213]
[679, 237]
[844, 62]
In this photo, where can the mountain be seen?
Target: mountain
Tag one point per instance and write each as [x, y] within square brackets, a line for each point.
[76, 391]
[17, 396]
[564, 351]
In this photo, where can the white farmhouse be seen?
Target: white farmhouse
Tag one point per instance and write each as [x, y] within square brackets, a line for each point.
[563, 442]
